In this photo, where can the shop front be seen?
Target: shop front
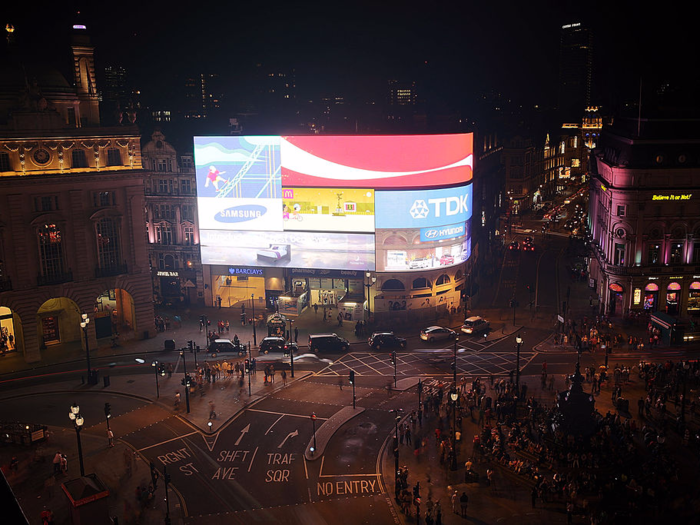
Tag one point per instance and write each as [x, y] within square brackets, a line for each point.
[8, 338]
[673, 293]
[694, 299]
[651, 297]
[616, 299]
[329, 289]
[232, 286]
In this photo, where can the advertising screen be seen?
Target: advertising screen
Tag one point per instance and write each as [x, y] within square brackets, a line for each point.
[328, 209]
[316, 201]
[344, 251]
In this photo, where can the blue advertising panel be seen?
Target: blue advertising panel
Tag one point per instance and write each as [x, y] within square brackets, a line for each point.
[442, 232]
[423, 208]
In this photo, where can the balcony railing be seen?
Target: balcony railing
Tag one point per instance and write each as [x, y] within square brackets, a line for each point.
[56, 278]
[111, 271]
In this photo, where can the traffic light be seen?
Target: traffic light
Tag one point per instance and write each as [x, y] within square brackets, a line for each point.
[396, 446]
[190, 345]
[352, 377]
[187, 380]
[161, 369]
[393, 357]
[108, 410]
[247, 366]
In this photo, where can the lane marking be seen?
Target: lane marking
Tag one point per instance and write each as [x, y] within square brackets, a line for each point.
[167, 441]
[283, 414]
[273, 424]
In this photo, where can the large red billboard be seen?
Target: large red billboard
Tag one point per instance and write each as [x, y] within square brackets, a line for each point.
[379, 161]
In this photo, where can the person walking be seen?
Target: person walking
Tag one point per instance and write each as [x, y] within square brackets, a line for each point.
[454, 498]
[463, 502]
[284, 377]
[57, 463]
[212, 411]
[177, 400]
[110, 437]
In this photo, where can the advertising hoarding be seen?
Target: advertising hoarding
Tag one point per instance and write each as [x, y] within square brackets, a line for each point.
[328, 209]
[423, 208]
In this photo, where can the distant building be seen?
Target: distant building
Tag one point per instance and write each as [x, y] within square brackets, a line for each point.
[575, 71]
[203, 96]
[71, 213]
[171, 221]
[645, 217]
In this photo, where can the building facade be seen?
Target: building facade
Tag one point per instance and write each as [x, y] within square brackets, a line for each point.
[171, 221]
[71, 213]
[644, 217]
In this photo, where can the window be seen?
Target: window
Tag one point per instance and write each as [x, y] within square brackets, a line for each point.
[5, 162]
[443, 279]
[186, 163]
[79, 158]
[165, 186]
[114, 157]
[70, 112]
[108, 243]
[393, 284]
[50, 251]
[420, 283]
[164, 234]
[620, 210]
[654, 254]
[189, 235]
[619, 254]
[164, 165]
[164, 211]
[187, 212]
[46, 203]
[696, 253]
[677, 253]
[167, 262]
[103, 198]
[186, 187]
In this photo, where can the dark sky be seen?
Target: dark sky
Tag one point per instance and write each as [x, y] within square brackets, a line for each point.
[345, 47]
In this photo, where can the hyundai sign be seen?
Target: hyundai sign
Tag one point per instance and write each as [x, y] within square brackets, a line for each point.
[443, 232]
[423, 208]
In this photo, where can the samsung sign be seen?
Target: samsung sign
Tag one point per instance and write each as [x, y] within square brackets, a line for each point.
[445, 232]
[241, 213]
[426, 209]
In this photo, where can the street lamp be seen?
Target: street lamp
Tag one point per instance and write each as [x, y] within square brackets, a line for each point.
[159, 369]
[370, 281]
[454, 363]
[313, 424]
[519, 342]
[289, 336]
[78, 421]
[397, 418]
[252, 302]
[454, 396]
[84, 325]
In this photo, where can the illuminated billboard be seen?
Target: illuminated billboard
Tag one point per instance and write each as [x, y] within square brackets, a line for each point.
[328, 209]
[343, 251]
[318, 201]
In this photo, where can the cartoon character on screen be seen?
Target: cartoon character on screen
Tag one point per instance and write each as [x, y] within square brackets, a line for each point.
[214, 177]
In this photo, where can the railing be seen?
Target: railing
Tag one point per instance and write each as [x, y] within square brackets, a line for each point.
[111, 271]
[57, 278]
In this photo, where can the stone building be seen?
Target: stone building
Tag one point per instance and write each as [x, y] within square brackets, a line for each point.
[71, 212]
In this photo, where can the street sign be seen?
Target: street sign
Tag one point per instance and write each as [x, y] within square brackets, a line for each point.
[560, 318]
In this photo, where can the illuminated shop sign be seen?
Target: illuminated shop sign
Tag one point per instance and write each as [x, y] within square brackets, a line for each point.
[334, 274]
[423, 209]
[246, 271]
[445, 232]
[684, 197]
[167, 274]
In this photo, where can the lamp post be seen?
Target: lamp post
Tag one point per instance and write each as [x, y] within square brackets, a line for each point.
[158, 369]
[454, 363]
[313, 425]
[397, 418]
[370, 281]
[289, 336]
[252, 302]
[186, 381]
[78, 421]
[84, 325]
[454, 396]
[519, 342]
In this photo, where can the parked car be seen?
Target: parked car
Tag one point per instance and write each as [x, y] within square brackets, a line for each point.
[474, 325]
[272, 344]
[437, 333]
[514, 245]
[379, 340]
[327, 343]
[447, 259]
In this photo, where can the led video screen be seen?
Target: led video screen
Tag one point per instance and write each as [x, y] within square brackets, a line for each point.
[328, 209]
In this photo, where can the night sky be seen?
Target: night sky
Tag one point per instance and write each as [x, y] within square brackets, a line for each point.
[347, 48]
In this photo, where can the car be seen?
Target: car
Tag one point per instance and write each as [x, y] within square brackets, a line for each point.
[275, 252]
[225, 345]
[272, 344]
[420, 262]
[327, 343]
[292, 348]
[528, 245]
[514, 245]
[437, 333]
[379, 340]
[447, 259]
[474, 325]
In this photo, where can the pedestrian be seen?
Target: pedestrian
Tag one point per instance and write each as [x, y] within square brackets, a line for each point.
[177, 400]
[408, 435]
[110, 437]
[340, 382]
[212, 411]
[284, 377]
[454, 498]
[296, 334]
[316, 309]
[57, 463]
[463, 501]
[64, 463]
[47, 517]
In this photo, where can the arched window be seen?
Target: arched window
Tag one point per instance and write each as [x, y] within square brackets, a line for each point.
[51, 252]
[421, 283]
[459, 275]
[108, 243]
[393, 284]
[443, 279]
[395, 239]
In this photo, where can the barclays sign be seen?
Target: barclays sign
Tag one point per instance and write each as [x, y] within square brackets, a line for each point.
[424, 208]
[445, 232]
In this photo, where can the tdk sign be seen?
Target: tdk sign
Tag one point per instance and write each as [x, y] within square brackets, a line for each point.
[446, 232]
[241, 213]
[423, 209]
